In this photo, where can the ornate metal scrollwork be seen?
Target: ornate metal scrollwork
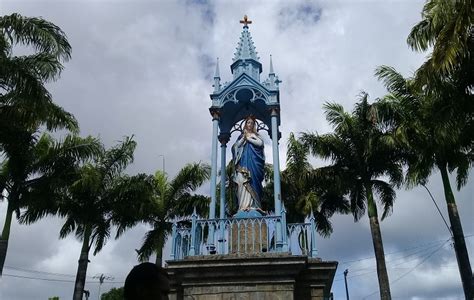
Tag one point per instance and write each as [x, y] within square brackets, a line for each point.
[256, 95]
[239, 126]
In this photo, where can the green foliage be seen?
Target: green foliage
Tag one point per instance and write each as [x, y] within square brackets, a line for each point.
[307, 190]
[172, 199]
[98, 196]
[446, 26]
[25, 103]
[113, 294]
[361, 153]
[41, 168]
[432, 114]
[433, 126]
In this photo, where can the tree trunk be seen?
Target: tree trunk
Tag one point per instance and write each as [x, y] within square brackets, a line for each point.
[82, 267]
[384, 284]
[462, 255]
[159, 257]
[159, 249]
[5, 236]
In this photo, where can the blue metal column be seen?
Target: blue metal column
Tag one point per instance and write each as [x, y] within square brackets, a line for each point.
[212, 207]
[173, 242]
[276, 178]
[192, 250]
[223, 139]
[284, 229]
[314, 250]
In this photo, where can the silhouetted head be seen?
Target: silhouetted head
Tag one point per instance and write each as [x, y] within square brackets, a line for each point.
[146, 281]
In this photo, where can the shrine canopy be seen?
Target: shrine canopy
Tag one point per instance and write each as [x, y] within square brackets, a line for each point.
[246, 94]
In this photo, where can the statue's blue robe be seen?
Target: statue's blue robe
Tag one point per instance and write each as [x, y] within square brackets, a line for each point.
[253, 159]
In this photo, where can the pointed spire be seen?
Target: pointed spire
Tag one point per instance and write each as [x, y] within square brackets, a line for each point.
[245, 47]
[217, 73]
[271, 67]
[245, 57]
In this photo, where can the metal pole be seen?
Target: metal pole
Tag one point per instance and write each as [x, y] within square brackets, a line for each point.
[223, 141]
[162, 155]
[212, 207]
[276, 179]
[101, 280]
[223, 179]
[345, 281]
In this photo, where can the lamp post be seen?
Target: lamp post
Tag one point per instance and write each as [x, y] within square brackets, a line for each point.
[163, 156]
[345, 281]
[101, 278]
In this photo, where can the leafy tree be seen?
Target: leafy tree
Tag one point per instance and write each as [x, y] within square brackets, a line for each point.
[447, 27]
[361, 155]
[97, 199]
[432, 137]
[173, 199]
[307, 190]
[25, 103]
[38, 170]
[113, 294]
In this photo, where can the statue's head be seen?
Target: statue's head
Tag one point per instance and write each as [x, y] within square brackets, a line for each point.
[250, 124]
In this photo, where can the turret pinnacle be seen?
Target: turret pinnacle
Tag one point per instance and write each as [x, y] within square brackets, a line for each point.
[217, 73]
[217, 78]
[271, 67]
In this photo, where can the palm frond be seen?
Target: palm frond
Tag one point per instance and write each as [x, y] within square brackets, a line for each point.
[68, 227]
[357, 197]
[323, 224]
[337, 117]
[153, 239]
[188, 179]
[184, 206]
[117, 158]
[327, 146]
[101, 234]
[386, 195]
[42, 35]
[297, 157]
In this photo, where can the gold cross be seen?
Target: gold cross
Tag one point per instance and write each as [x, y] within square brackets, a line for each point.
[245, 21]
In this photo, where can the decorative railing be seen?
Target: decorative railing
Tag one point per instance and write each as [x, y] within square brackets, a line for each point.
[241, 236]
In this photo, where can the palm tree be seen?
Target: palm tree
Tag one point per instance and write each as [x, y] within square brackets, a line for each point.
[38, 170]
[173, 199]
[447, 26]
[361, 154]
[25, 103]
[97, 199]
[433, 136]
[307, 190]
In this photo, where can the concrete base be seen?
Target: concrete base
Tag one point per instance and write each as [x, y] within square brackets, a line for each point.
[266, 276]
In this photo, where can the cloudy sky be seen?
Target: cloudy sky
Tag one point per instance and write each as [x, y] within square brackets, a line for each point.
[145, 68]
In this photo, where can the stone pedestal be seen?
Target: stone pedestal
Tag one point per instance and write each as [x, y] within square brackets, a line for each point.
[267, 276]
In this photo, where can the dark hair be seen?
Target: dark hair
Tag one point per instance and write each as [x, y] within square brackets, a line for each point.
[143, 282]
